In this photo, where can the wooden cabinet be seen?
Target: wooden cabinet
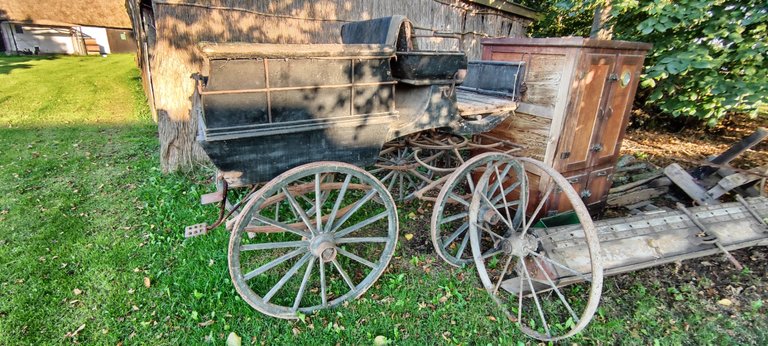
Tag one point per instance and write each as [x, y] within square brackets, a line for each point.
[577, 99]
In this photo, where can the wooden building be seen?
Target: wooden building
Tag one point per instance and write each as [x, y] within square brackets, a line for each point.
[169, 30]
[65, 27]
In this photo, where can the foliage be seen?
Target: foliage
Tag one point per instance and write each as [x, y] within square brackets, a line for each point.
[709, 57]
[559, 18]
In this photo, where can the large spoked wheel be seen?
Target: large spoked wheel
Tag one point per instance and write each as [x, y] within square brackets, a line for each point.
[520, 276]
[450, 216]
[313, 237]
[399, 171]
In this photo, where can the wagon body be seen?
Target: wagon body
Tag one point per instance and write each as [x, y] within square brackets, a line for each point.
[267, 108]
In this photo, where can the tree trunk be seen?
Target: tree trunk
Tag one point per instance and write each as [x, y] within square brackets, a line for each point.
[602, 15]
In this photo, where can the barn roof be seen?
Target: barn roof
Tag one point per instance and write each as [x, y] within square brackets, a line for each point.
[105, 13]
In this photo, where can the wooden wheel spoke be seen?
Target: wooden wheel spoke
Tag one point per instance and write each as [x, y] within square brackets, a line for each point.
[318, 204]
[353, 240]
[387, 177]
[459, 199]
[463, 246]
[276, 245]
[418, 174]
[455, 234]
[271, 264]
[557, 291]
[291, 272]
[323, 288]
[506, 191]
[504, 270]
[344, 274]
[491, 233]
[303, 287]
[559, 265]
[508, 223]
[356, 258]
[295, 205]
[499, 182]
[535, 298]
[538, 208]
[454, 217]
[503, 198]
[361, 224]
[353, 210]
[339, 200]
[281, 226]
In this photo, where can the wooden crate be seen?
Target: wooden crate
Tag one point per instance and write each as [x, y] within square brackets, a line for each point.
[575, 107]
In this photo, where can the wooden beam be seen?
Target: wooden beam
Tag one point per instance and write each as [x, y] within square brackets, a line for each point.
[509, 7]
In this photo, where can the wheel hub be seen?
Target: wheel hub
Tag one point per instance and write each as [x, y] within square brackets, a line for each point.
[322, 246]
[519, 245]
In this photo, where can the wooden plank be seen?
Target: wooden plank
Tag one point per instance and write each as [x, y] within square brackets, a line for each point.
[470, 103]
[685, 182]
[625, 199]
[734, 151]
[537, 110]
[528, 130]
[735, 180]
[635, 184]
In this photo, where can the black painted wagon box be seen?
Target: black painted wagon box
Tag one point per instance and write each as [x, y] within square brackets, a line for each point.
[304, 103]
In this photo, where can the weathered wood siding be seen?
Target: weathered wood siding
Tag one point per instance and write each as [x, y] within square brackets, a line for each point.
[180, 25]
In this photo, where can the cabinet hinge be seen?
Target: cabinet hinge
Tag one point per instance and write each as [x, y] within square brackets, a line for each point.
[597, 147]
[564, 155]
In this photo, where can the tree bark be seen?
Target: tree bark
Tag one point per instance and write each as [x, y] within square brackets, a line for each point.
[602, 15]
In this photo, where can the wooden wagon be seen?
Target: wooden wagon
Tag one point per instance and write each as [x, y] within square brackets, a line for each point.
[306, 120]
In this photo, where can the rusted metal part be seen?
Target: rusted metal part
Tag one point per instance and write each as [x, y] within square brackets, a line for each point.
[708, 236]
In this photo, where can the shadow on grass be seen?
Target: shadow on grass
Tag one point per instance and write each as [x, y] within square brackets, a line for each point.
[10, 63]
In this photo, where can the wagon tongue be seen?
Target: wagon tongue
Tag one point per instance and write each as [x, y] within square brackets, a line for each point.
[652, 239]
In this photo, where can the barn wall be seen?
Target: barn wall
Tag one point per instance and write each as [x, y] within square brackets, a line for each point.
[180, 25]
[50, 40]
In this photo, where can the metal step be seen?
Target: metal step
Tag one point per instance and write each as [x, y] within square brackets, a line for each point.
[656, 238]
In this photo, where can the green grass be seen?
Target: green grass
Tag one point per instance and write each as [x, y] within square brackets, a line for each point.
[84, 206]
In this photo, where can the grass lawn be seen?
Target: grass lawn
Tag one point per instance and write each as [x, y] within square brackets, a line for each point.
[92, 248]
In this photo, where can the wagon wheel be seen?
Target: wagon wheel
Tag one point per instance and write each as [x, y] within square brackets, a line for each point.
[439, 152]
[450, 217]
[523, 279]
[343, 237]
[399, 171]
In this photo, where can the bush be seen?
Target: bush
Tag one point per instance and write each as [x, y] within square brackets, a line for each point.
[709, 57]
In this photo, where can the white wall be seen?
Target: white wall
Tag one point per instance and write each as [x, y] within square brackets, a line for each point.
[5, 35]
[99, 34]
[49, 40]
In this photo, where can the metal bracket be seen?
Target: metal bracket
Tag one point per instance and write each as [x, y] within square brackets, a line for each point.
[708, 237]
[196, 230]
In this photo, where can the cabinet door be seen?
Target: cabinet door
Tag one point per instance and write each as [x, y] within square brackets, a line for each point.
[598, 186]
[579, 131]
[560, 202]
[618, 105]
